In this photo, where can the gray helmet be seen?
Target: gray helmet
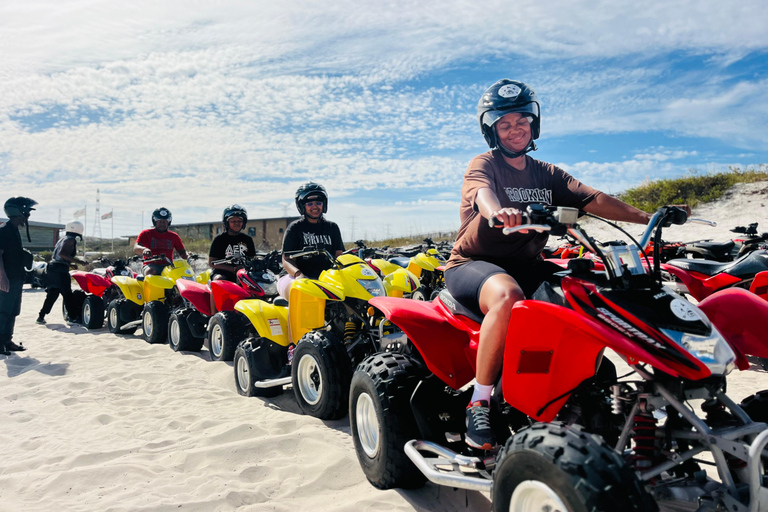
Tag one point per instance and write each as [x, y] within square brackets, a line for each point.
[307, 190]
[507, 97]
[19, 207]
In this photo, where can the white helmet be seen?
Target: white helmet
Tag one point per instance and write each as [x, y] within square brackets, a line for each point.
[75, 227]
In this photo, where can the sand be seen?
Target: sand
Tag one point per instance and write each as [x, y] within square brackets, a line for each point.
[93, 421]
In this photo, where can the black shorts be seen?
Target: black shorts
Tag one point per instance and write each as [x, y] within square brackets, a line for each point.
[465, 281]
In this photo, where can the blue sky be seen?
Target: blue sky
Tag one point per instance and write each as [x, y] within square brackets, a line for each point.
[197, 105]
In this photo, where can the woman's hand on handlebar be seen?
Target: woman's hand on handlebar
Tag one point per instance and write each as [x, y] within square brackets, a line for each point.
[507, 218]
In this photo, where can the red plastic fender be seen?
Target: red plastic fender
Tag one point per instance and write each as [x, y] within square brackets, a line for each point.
[760, 285]
[198, 294]
[226, 294]
[90, 282]
[442, 344]
[742, 318]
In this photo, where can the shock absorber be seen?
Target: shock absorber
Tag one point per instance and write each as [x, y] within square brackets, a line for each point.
[644, 437]
[350, 329]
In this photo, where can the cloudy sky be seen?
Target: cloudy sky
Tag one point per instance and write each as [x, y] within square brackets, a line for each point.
[196, 105]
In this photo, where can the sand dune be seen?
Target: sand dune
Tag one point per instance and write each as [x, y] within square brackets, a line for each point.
[93, 421]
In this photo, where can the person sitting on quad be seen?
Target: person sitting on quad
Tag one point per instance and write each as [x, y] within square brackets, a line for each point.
[57, 280]
[157, 241]
[488, 272]
[230, 242]
[313, 229]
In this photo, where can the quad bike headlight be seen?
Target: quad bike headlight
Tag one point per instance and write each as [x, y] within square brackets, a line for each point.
[373, 286]
[712, 350]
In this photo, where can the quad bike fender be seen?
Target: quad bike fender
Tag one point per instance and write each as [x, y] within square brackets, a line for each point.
[178, 270]
[155, 286]
[203, 277]
[270, 321]
[700, 285]
[443, 346]
[130, 288]
[742, 318]
[384, 266]
[306, 311]
[226, 294]
[90, 282]
[400, 281]
[347, 279]
[760, 285]
[548, 353]
[425, 261]
[198, 294]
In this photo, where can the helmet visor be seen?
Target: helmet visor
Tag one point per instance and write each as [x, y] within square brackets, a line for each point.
[491, 116]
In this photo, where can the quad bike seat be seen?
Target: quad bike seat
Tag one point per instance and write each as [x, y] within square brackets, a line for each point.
[706, 267]
[720, 251]
[401, 261]
[456, 308]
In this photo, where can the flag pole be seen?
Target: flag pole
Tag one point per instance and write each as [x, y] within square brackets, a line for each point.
[112, 215]
[85, 228]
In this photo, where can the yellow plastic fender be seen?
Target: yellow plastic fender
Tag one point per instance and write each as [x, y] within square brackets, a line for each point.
[386, 267]
[179, 269]
[306, 305]
[270, 321]
[203, 277]
[400, 281]
[130, 288]
[155, 286]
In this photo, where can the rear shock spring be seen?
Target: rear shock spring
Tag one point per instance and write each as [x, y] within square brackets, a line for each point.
[644, 428]
[350, 330]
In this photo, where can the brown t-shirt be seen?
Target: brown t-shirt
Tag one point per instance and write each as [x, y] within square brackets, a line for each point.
[539, 182]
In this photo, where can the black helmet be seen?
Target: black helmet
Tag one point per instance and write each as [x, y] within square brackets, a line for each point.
[506, 97]
[161, 214]
[310, 189]
[234, 211]
[19, 207]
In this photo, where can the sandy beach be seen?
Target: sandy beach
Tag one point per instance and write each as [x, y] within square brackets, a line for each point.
[97, 422]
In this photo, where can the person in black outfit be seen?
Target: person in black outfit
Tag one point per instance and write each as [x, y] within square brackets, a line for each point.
[231, 242]
[57, 280]
[12, 269]
[312, 230]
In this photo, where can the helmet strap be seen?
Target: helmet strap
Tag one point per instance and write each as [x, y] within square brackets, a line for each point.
[512, 154]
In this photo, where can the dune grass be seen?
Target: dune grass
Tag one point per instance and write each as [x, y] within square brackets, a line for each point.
[692, 189]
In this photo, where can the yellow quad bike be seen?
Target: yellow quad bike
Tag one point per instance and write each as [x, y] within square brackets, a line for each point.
[316, 342]
[428, 266]
[146, 300]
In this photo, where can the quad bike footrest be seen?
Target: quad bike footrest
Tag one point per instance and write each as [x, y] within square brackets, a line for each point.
[445, 457]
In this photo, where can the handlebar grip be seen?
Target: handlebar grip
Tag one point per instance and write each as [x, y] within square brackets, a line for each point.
[494, 222]
[539, 228]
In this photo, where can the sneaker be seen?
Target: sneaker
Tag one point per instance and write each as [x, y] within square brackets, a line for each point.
[9, 345]
[479, 432]
[40, 320]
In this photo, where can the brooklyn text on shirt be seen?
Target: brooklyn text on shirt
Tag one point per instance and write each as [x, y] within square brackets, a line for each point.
[313, 239]
[529, 195]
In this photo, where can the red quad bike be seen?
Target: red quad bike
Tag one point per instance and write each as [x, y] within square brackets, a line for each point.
[96, 291]
[188, 324]
[730, 250]
[575, 437]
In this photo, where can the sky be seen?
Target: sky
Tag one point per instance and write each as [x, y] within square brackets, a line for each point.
[198, 105]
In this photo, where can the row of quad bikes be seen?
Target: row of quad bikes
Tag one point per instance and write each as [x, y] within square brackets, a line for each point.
[575, 436]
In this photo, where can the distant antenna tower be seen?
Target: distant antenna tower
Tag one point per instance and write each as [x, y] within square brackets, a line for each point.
[97, 224]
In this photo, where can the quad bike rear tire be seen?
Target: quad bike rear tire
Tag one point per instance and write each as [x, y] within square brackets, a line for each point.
[320, 374]
[550, 466]
[114, 322]
[245, 375]
[225, 330]
[154, 322]
[180, 335]
[382, 421]
[92, 312]
[419, 293]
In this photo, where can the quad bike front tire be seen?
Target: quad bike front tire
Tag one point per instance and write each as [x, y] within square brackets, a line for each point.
[154, 322]
[420, 293]
[550, 466]
[92, 312]
[114, 323]
[179, 334]
[756, 406]
[245, 374]
[382, 421]
[78, 298]
[320, 374]
[225, 330]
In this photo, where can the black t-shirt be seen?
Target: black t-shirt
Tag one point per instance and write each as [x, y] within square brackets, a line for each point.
[324, 234]
[13, 253]
[226, 245]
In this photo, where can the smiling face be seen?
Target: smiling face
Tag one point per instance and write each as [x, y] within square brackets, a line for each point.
[313, 207]
[514, 131]
[235, 224]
